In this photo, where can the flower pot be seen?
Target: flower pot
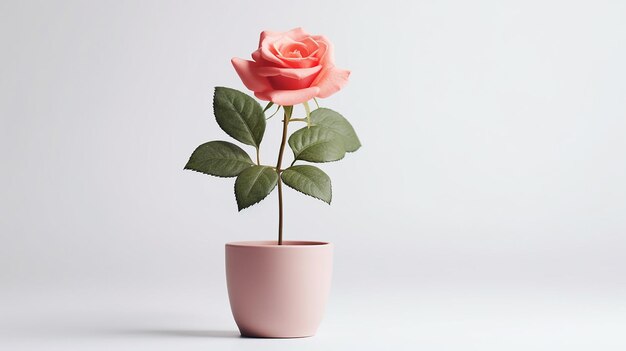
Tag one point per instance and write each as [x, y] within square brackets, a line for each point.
[278, 291]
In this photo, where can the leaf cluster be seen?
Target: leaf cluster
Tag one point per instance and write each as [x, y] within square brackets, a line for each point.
[327, 137]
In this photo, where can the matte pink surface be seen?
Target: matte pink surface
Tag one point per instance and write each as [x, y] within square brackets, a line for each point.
[278, 291]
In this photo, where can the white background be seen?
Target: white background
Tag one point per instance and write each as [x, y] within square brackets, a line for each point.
[485, 210]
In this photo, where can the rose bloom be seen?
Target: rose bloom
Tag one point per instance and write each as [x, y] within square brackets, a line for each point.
[291, 67]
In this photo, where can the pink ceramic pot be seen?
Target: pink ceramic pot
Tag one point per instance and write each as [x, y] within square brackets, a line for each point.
[278, 291]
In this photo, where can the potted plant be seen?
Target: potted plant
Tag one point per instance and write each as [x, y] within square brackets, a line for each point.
[279, 288]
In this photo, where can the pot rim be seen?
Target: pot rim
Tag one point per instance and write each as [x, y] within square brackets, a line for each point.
[273, 244]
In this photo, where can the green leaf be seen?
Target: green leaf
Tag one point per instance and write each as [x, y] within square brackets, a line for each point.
[317, 144]
[219, 158]
[333, 120]
[267, 107]
[239, 115]
[273, 114]
[309, 180]
[254, 184]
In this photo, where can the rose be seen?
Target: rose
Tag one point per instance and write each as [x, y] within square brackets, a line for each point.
[291, 68]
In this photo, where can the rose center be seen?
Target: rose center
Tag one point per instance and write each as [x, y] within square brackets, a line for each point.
[295, 51]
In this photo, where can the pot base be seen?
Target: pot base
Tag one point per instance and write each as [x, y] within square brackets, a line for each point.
[255, 336]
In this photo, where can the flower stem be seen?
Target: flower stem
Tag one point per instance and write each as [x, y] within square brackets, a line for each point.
[307, 109]
[288, 110]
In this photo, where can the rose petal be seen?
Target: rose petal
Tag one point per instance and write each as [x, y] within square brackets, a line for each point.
[268, 33]
[330, 80]
[296, 33]
[294, 73]
[258, 58]
[326, 53]
[297, 62]
[307, 46]
[269, 52]
[288, 97]
[311, 45]
[284, 83]
[282, 48]
[247, 72]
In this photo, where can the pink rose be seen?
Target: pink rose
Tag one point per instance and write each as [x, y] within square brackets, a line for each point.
[291, 68]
